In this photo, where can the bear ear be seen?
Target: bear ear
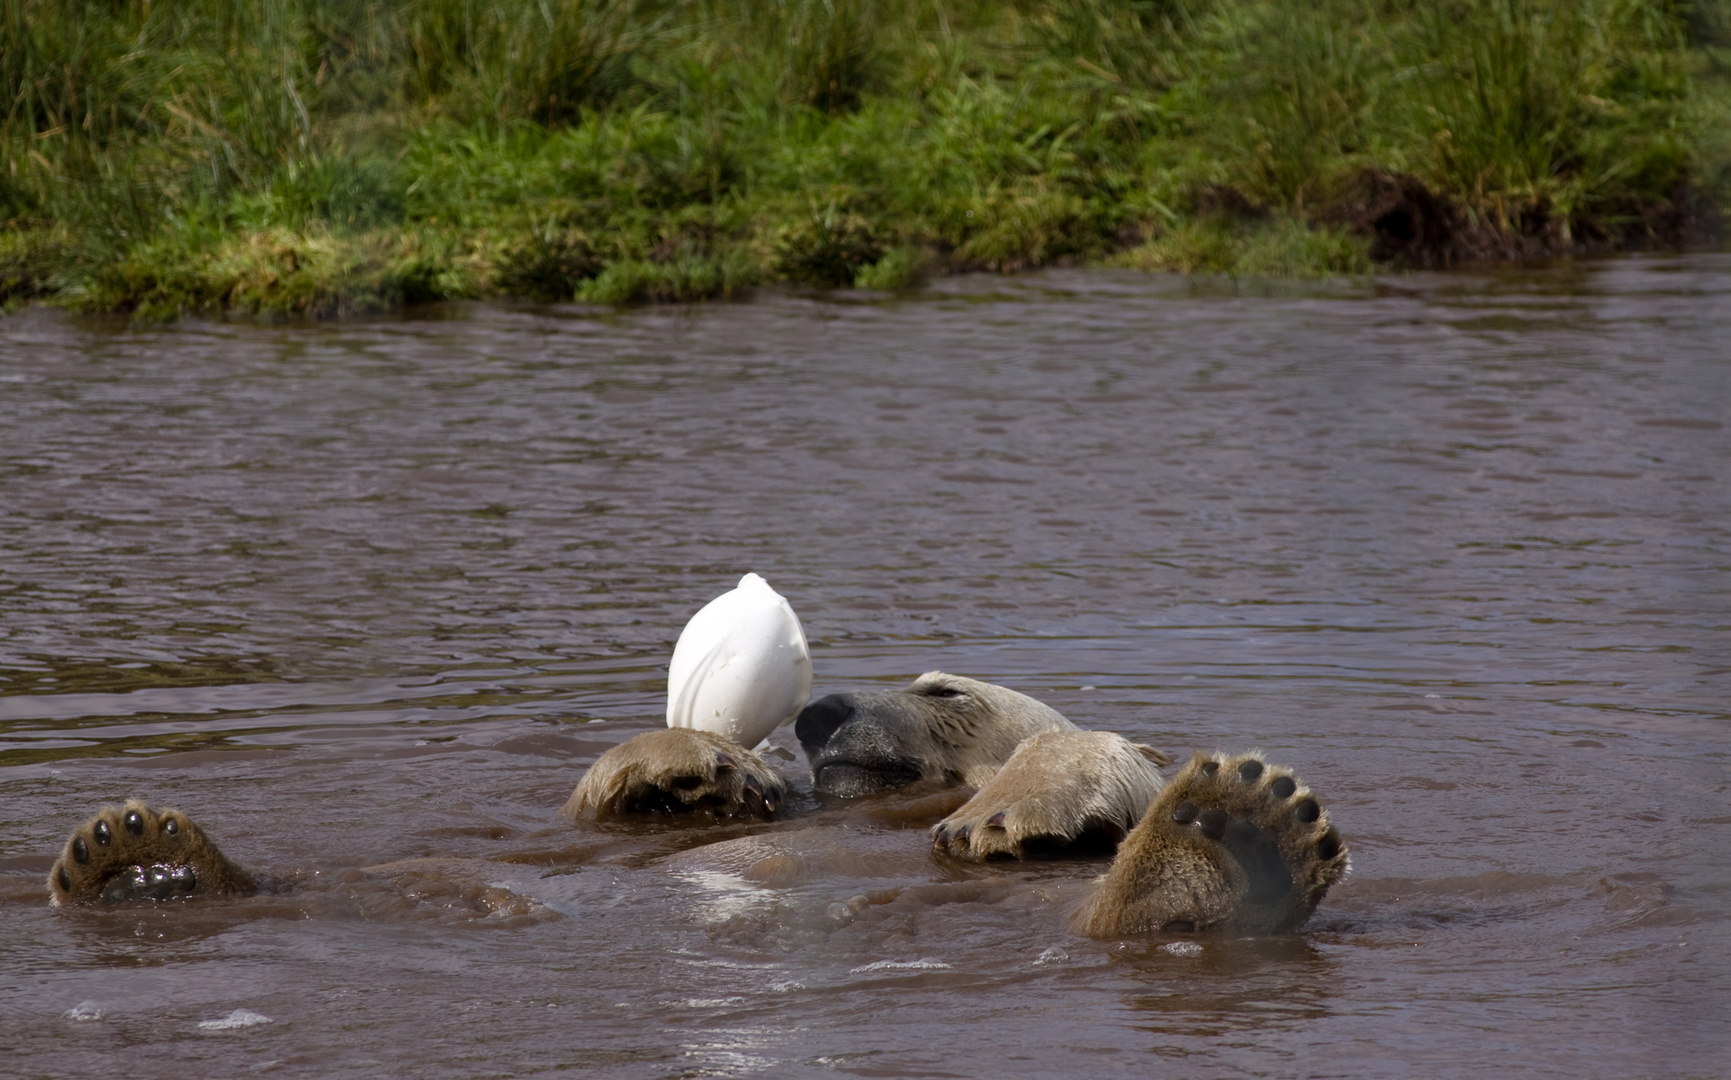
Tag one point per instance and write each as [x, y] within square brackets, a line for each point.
[1160, 758]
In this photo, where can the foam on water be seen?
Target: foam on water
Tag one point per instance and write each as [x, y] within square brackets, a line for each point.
[900, 965]
[234, 1021]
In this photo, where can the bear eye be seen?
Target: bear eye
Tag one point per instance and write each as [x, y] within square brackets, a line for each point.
[942, 691]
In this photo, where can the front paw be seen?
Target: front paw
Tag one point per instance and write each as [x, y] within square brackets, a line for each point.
[133, 852]
[678, 771]
[1060, 790]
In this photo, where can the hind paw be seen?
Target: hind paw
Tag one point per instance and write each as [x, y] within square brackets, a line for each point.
[678, 771]
[1060, 790]
[1233, 843]
[133, 852]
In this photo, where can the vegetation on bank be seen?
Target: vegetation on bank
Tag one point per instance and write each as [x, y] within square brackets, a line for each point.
[324, 156]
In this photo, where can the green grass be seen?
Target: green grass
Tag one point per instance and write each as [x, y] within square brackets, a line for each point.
[315, 157]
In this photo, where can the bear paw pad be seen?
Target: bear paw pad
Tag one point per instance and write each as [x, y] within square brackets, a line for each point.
[133, 852]
[1232, 843]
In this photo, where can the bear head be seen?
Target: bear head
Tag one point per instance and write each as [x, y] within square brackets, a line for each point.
[940, 728]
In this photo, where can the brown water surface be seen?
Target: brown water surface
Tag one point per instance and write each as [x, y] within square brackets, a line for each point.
[1454, 547]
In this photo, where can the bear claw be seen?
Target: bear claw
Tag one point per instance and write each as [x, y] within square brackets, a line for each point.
[678, 771]
[152, 855]
[1058, 790]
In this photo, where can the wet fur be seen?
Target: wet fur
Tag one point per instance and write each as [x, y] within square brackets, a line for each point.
[676, 771]
[132, 852]
[941, 728]
[1058, 788]
[1232, 844]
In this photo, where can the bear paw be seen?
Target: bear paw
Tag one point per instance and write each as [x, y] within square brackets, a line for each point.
[1233, 844]
[132, 852]
[1060, 790]
[678, 771]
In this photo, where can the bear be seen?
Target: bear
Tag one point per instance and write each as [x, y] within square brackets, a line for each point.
[939, 731]
[1231, 844]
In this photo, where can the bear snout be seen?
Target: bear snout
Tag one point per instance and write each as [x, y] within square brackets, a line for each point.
[840, 779]
[855, 745]
[819, 720]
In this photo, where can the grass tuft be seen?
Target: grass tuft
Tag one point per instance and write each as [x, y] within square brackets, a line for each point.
[689, 275]
[550, 264]
[1284, 247]
[899, 268]
[829, 247]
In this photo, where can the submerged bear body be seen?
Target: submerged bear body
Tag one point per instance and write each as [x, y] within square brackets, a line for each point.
[1231, 843]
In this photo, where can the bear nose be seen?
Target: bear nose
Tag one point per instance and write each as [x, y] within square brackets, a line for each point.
[819, 720]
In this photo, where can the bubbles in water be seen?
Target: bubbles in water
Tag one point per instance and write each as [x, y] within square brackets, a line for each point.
[1182, 948]
[1053, 955]
[84, 1010]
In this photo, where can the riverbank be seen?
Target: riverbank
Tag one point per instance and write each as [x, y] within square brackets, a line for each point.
[317, 158]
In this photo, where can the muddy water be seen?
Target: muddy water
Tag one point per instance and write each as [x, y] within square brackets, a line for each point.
[1455, 548]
